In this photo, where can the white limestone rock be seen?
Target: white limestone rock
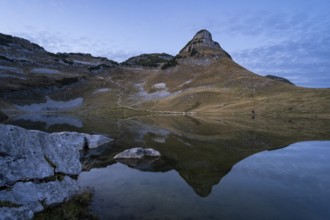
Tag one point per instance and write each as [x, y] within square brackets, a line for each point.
[137, 153]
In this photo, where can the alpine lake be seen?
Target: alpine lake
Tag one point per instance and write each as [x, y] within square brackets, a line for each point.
[210, 167]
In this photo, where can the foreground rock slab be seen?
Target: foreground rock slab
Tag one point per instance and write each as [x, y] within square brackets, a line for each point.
[31, 197]
[29, 154]
[137, 153]
[36, 168]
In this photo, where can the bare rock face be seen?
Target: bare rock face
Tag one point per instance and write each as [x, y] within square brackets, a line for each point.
[148, 60]
[36, 155]
[203, 45]
[30, 163]
[143, 159]
[26, 198]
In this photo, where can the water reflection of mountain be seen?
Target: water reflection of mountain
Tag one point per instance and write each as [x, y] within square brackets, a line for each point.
[46, 121]
[203, 150]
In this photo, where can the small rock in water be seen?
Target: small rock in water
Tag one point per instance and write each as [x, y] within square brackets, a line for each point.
[137, 153]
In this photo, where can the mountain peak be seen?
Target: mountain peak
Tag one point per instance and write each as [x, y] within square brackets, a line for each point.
[203, 34]
[203, 45]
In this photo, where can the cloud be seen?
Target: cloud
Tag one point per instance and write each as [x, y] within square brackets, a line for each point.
[266, 23]
[304, 61]
[58, 42]
[294, 46]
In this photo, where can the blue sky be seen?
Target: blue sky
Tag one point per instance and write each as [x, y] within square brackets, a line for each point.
[286, 38]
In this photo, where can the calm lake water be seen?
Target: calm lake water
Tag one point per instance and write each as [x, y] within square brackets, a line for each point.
[289, 183]
[210, 168]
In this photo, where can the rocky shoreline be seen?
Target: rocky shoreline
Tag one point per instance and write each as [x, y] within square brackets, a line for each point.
[39, 169]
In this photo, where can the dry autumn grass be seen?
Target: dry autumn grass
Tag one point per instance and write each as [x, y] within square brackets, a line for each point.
[222, 88]
[219, 88]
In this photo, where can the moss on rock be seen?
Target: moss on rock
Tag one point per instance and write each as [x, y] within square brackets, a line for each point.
[74, 208]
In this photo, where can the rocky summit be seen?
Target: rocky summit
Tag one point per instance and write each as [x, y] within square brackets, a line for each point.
[201, 45]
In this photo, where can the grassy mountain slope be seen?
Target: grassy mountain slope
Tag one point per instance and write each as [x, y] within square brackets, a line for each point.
[221, 88]
[202, 79]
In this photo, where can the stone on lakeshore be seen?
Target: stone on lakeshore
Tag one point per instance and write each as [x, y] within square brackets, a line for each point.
[137, 153]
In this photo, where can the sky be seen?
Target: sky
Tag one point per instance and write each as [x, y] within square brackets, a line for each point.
[287, 38]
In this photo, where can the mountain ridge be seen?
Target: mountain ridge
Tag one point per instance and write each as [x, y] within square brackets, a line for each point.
[201, 79]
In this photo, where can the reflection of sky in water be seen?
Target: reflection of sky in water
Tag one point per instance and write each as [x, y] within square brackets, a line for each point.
[51, 120]
[289, 183]
[51, 105]
[301, 161]
[140, 130]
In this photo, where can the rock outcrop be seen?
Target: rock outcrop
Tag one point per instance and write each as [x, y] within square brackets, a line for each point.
[84, 59]
[281, 79]
[31, 163]
[203, 45]
[137, 153]
[148, 60]
[27, 198]
[25, 66]
[201, 51]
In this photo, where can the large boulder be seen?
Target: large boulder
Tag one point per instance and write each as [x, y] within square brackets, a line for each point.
[26, 198]
[137, 153]
[36, 155]
[36, 168]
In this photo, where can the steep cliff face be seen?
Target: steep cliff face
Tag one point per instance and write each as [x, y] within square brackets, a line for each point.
[203, 45]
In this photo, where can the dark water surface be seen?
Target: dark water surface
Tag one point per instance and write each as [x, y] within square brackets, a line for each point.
[289, 183]
[211, 168]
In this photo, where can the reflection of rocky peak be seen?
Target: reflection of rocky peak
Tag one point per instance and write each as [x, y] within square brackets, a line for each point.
[203, 177]
[202, 45]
